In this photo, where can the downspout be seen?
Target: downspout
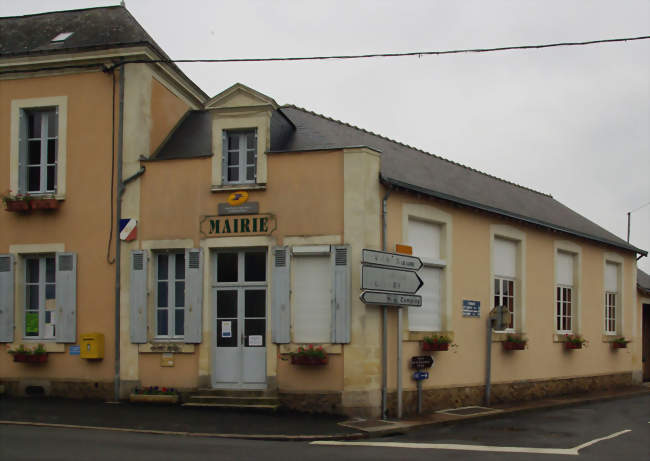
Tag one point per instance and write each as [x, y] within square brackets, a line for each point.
[384, 317]
[118, 242]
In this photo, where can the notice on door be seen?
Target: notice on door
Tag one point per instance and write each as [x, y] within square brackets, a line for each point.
[255, 340]
[226, 329]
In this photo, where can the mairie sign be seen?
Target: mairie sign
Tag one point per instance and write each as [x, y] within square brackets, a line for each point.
[233, 226]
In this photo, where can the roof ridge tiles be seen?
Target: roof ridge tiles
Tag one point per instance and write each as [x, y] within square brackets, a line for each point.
[415, 149]
[74, 10]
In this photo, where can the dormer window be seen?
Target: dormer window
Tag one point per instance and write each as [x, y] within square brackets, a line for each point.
[240, 156]
[62, 37]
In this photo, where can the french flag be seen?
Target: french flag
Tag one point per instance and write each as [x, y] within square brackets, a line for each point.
[128, 229]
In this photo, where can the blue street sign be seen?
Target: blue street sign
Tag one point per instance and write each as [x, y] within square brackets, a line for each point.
[420, 375]
[75, 350]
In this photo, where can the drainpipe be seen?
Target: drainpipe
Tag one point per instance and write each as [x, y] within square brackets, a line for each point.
[384, 314]
[118, 242]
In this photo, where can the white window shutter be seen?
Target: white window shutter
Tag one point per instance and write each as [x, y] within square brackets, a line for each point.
[428, 317]
[341, 295]
[138, 297]
[22, 152]
[611, 277]
[505, 258]
[564, 268]
[224, 157]
[66, 297]
[6, 298]
[193, 294]
[281, 295]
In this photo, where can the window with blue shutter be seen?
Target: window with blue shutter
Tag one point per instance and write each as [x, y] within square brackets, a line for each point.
[341, 294]
[65, 327]
[281, 296]
[138, 297]
[193, 295]
[6, 298]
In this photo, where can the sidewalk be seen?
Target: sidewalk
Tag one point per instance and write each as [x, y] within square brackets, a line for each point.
[207, 422]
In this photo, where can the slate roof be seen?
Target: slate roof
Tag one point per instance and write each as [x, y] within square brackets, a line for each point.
[643, 282]
[294, 129]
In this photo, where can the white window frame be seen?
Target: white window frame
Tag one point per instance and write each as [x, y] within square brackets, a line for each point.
[19, 106]
[610, 312]
[501, 231]
[242, 151]
[42, 285]
[562, 306]
[43, 165]
[433, 215]
[171, 308]
[500, 298]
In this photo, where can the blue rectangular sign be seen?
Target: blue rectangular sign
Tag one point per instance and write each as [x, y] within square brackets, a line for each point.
[471, 308]
[75, 350]
[420, 375]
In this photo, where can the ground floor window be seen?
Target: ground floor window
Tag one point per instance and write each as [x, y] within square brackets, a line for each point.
[563, 310]
[170, 294]
[40, 297]
[610, 312]
[504, 295]
[312, 299]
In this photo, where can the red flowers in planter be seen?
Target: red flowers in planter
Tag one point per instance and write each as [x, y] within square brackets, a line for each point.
[620, 343]
[25, 202]
[309, 356]
[436, 343]
[25, 355]
[514, 343]
[574, 342]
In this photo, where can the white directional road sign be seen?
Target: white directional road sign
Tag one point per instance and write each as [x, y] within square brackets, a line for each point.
[386, 279]
[384, 258]
[390, 299]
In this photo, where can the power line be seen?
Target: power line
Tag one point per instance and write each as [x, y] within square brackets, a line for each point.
[638, 208]
[347, 56]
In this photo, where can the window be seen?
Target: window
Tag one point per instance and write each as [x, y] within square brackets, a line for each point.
[38, 151]
[311, 298]
[240, 156]
[564, 295]
[611, 297]
[425, 238]
[504, 268]
[170, 295]
[38, 146]
[40, 297]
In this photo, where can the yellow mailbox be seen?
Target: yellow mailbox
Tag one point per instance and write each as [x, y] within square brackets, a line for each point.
[92, 346]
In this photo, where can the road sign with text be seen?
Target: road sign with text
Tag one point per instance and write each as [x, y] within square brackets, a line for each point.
[395, 260]
[390, 299]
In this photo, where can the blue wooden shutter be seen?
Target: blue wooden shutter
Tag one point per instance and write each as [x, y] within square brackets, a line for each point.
[224, 157]
[193, 294]
[66, 297]
[6, 298]
[138, 297]
[22, 151]
[341, 294]
[281, 296]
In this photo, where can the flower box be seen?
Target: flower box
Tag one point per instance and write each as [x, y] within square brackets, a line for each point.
[17, 205]
[154, 398]
[427, 346]
[570, 345]
[305, 360]
[44, 204]
[513, 346]
[619, 345]
[30, 358]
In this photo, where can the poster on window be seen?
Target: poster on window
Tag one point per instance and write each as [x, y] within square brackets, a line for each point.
[255, 340]
[226, 329]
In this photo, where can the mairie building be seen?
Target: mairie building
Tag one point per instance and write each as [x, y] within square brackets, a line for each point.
[153, 235]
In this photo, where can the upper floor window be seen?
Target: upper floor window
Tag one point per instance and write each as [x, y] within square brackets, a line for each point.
[38, 150]
[240, 156]
[505, 270]
[564, 292]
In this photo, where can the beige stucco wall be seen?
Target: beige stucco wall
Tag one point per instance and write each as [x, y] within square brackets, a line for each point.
[166, 110]
[544, 358]
[81, 224]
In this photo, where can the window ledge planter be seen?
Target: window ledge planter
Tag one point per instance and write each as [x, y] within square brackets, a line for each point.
[30, 358]
[513, 346]
[426, 346]
[17, 205]
[153, 398]
[302, 360]
[44, 204]
[568, 345]
[620, 343]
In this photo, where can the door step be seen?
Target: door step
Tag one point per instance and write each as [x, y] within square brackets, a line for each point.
[242, 400]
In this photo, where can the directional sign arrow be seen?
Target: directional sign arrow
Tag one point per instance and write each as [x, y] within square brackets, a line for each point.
[386, 279]
[395, 260]
[390, 299]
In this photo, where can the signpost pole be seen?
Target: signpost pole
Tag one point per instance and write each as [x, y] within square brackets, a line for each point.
[399, 363]
[488, 361]
[384, 360]
[419, 384]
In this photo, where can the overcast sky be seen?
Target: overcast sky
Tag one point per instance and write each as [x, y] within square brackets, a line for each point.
[570, 122]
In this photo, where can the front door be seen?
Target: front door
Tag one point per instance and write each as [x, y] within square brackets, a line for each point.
[239, 301]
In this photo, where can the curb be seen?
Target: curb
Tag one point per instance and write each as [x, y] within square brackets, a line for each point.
[269, 437]
[410, 425]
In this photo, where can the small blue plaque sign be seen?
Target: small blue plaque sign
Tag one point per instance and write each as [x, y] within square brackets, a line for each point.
[75, 350]
[471, 308]
[420, 375]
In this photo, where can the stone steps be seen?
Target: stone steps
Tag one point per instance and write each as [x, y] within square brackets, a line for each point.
[243, 400]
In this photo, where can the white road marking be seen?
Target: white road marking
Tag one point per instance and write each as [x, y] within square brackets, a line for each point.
[495, 449]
